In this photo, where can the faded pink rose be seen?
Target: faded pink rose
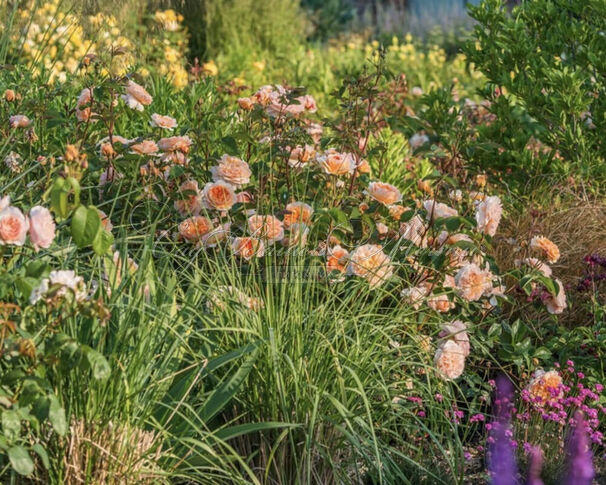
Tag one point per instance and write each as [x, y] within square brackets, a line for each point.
[161, 121]
[450, 359]
[488, 215]
[232, 170]
[13, 227]
[136, 96]
[41, 227]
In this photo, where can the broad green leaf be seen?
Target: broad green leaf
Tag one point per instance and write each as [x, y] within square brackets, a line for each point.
[56, 416]
[20, 460]
[86, 223]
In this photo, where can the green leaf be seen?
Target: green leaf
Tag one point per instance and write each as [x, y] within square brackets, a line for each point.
[11, 425]
[20, 460]
[240, 429]
[41, 452]
[86, 224]
[98, 364]
[56, 416]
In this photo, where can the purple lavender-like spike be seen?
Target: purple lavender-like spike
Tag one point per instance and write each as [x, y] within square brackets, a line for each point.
[536, 463]
[580, 462]
[501, 459]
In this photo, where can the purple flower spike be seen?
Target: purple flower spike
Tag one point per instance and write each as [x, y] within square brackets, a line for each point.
[501, 458]
[580, 463]
[536, 463]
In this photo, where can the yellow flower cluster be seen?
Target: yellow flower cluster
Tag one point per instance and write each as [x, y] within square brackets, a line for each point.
[58, 42]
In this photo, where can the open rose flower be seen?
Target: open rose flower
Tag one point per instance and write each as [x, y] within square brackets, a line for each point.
[175, 144]
[232, 170]
[437, 210]
[384, 193]
[13, 227]
[194, 228]
[248, 247]
[457, 330]
[268, 228]
[371, 263]
[337, 259]
[19, 121]
[58, 285]
[414, 231]
[545, 387]
[83, 109]
[145, 147]
[219, 196]
[547, 248]
[41, 227]
[472, 282]
[440, 303]
[335, 163]
[190, 199]
[556, 304]
[297, 212]
[488, 215]
[300, 156]
[136, 96]
[161, 121]
[450, 359]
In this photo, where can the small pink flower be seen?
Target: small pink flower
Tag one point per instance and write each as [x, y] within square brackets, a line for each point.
[41, 227]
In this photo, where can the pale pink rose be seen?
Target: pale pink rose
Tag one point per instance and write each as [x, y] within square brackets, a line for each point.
[335, 163]
[189, 199]
[308, 103]
[450, 359]
[5, 202]
[19, 121]
[66, 280]
[436, 210]
[13, 227]
[472, 282]
[457, 330]
[414, 231]
[246, 103]
[556, 304]
[195, 228]
[145, 147]
[382, 229]
[440, 303]
[415, 295]
[300, 156]
[384, 193]
[136, 96]
[488, 215]
[232, 170]
[219, 195]
[161, 121]
[83, 110]
[417, 140]
[41, 227]
[269, 228]
[175, 144]
[548, 249]
[371, 263]
[297, 212]
[248, 247]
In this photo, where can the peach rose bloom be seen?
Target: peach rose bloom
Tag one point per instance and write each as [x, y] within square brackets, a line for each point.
[488, 215]
[232, 170]
[371, 263]
[244, 197]
[549, 250]
[248, 247]
[396, 211]
[384, 193]
[13, 227]
[85, 97]
[175, 144]
[190, 199]
[437, 210]
[297, 212]
[194, 228]
[161, 121]
[337, 259]
[269, 228]
[219, 195]
[440, 303]
[556, 304]
[457, 330]
[146, 147]
[546, 386]
[300, 156]
[19, 121]
[473, 282]
[414, 231]
[216, 236]
[363, 167]
[136, 96]
[424, 187]
[415, 295]
[41, 227]
[245, 103]
[266, 94]
[335, 163]
[450, 359]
